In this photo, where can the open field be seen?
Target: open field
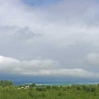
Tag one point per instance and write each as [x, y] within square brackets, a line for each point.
[50, 92]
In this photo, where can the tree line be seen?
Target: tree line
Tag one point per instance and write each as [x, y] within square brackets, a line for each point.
[5, 83]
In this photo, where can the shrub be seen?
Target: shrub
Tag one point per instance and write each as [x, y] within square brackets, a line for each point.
[64, 89]
[31, 94]
[88, 89]
[93, 89]
[78, 88]
[84, 87]
[59, 94]
[40, 88]
[48, 87]
[68, 87]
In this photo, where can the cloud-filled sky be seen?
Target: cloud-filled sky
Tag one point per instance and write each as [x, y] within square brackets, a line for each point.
[49, 39]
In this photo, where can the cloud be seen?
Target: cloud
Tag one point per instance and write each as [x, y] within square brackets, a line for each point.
[62, 24]
[93, 59]
[15, 66]
[41, 67]
[17, 33]
[63, 34]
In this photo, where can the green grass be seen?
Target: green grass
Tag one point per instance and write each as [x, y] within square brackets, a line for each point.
[52, 92]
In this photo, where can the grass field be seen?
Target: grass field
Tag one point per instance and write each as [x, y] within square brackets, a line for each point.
[51, 92]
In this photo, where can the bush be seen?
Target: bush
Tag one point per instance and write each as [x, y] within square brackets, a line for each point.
[31, 94]
[40, 88]
[64, 89]
[55, 87]
[84, 87]
[48, 87]
[68, 87]
[78, 88]
[88, 89]
[59, 94]
[93, 89]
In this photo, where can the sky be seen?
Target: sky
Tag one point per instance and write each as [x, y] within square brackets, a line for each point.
[49, 40]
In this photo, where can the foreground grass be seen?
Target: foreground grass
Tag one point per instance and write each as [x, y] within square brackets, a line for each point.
[51, 92]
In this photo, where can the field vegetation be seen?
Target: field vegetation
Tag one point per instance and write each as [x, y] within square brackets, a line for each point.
[9, 91]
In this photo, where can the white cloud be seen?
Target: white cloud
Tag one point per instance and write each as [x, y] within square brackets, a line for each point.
[10, 65]
[45, 67]
[62, 24]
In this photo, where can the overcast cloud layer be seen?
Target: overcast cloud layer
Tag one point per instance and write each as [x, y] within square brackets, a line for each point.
[52, 39]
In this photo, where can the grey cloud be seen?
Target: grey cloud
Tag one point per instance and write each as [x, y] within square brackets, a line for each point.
[45, 67]
[26, 34]
[93, 59]
[75, 12]
[66, 32]
[10, 65]
[13, 33]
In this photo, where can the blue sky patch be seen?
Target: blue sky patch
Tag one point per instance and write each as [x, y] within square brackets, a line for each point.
[40, 2]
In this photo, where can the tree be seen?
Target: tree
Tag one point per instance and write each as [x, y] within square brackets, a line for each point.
[33, 85]
[5, 83]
